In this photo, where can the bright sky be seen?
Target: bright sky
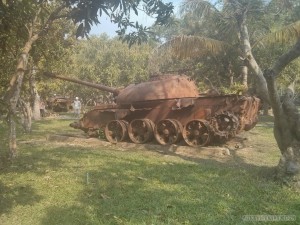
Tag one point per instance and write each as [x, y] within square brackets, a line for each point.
[109, 28]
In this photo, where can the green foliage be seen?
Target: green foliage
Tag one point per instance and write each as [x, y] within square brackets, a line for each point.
[285, 35]
[13, 16]
[193, 46]
[86, 13]
[20, 19]
[138, 37]
[99, 60]
[16, 18]
[236, 88]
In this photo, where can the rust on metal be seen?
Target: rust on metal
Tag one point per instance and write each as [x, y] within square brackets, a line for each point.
[169, 109]
[165, 87]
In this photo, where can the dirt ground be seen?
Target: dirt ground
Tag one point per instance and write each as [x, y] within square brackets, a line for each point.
[241, 149]
[248, 148]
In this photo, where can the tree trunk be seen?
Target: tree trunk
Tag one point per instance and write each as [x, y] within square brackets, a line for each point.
[249, 60]
[286, 121]
[12, 138]
[231, 74]
[12, 97]
[26, 115]
[287, 135]
[13, 93]
[36, 114]
[265, 107]
[231, 81]
[244, 73]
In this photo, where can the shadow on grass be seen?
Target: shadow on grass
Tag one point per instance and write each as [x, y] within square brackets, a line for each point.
[234, 162]
[66, 215]
[29, 162]
[35, 162]
[16, 195]
[132, 190]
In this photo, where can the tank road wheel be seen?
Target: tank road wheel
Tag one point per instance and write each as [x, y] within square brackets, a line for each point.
[141, 130]
[168, 131]
[197, 133]
[116, 131]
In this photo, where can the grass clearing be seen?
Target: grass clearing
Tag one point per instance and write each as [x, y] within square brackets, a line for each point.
[65, 183]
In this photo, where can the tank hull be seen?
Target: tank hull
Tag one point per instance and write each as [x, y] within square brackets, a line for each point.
[222, 117]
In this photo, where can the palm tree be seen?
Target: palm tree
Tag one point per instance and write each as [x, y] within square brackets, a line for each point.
[234, 32]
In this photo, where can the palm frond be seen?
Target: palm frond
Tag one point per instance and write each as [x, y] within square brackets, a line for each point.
[199, 8]
[186, 47]
[287, 34]
[193, 46]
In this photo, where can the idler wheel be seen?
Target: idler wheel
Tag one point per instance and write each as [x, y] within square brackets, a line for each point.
[116, 131]
[226, 124]
[168, 131]
[197, 133]
[141, 130]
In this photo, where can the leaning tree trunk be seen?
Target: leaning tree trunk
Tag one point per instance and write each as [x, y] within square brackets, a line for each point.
[286, 121]
[13, 93]
[249, 60]
[12, 97]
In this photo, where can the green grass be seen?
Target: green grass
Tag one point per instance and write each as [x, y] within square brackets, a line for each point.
[58, 183]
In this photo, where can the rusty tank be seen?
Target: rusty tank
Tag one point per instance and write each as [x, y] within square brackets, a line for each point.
[59, 104]
[168, 108]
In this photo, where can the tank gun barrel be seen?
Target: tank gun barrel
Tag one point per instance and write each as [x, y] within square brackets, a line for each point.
[115, 91]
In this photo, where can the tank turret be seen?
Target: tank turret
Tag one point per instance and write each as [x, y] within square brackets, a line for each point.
[158, 87]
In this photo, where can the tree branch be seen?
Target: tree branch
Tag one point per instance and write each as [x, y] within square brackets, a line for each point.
[53, 16]
[274, 98]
